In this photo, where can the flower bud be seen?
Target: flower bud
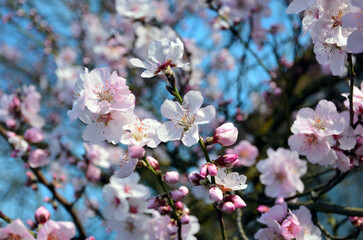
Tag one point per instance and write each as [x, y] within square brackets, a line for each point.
[177, 195]
[164, 210]
[215, 194]
[226, 134]
[184, 189]
[236, 200]
[136, 152]
[10, 123]
[228, 207]
[34, 135]
[179, 205]
[227, 160]
[93, 173]
[208, 169]
[195, 178]
[153, 162]
[41, 215]
[185, 219]
[153, 203]
[171, 177]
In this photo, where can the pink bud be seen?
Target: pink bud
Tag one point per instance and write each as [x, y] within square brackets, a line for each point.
[91, 238]
[227, 160]
[208, 169]
[228, 207]
[34, 135]
[279, 200]
[179, 205]
[177, 195]
[215, 194]
[236, 200]
[41, 215]
[10, 123]
[171, 177]
[185, 219]
[136, 152]
[46, 199]
[195, 178]
[225, 135]
[30, 223]
[154, 203]
[164, 210]
[153, 162]
[290, 227]
[184, 189]
[15, 103]
[93, 173]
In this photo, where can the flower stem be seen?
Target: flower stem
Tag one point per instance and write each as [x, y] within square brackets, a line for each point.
[351, 85]
[161, 183]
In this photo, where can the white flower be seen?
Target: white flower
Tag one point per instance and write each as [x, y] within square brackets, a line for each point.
[105, 126]
[117, 206]
[133, 8]
[230, 181]
[162, 54]
[141, 133]
[184, 119]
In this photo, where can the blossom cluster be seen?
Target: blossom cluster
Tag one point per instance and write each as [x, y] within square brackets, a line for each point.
[46, 228]
[323, 135]
[282, 223]
[335, 27]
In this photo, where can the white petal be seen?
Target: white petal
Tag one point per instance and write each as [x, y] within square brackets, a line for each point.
[169, 109]
[204, 115]
[193, 100]
[169, 131]
[93, 133]
[191, 136]
[297, 6]
[138, 63]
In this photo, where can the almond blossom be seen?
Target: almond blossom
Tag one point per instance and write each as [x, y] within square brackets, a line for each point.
[162, 54]
[15, 230]
[141, 132]
[105, 92]
[230, 181]
[57, 230]
[324, 121]
[184, 119]
[281, 173]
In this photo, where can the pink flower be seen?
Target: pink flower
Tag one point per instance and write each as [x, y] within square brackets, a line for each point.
[15, 230]
[41, 215]
[290, 227]
[127, 166]
[247, 153]
[141, 133]
[105, 92]
[57, 230]
[38, 158]
[324, 121]
[281, 173]
[226, 135]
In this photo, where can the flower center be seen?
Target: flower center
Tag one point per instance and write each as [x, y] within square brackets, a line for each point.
[162, 67]
[13, 236]
[105, 118]
[319, 123]
[184, 120]
[140, 129]
[130, 226]
[124, 159]
[105, 93]
[116, 201]
[337, 19]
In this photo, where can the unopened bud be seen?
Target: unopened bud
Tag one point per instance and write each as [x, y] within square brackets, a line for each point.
[227, 160]
[185, 219]
[153, 162]
[215, 194]
[195, 178]
[41, 215]
[208, 169]
[228, 207]
[136, 152]
[171, 177]
[226, 134]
